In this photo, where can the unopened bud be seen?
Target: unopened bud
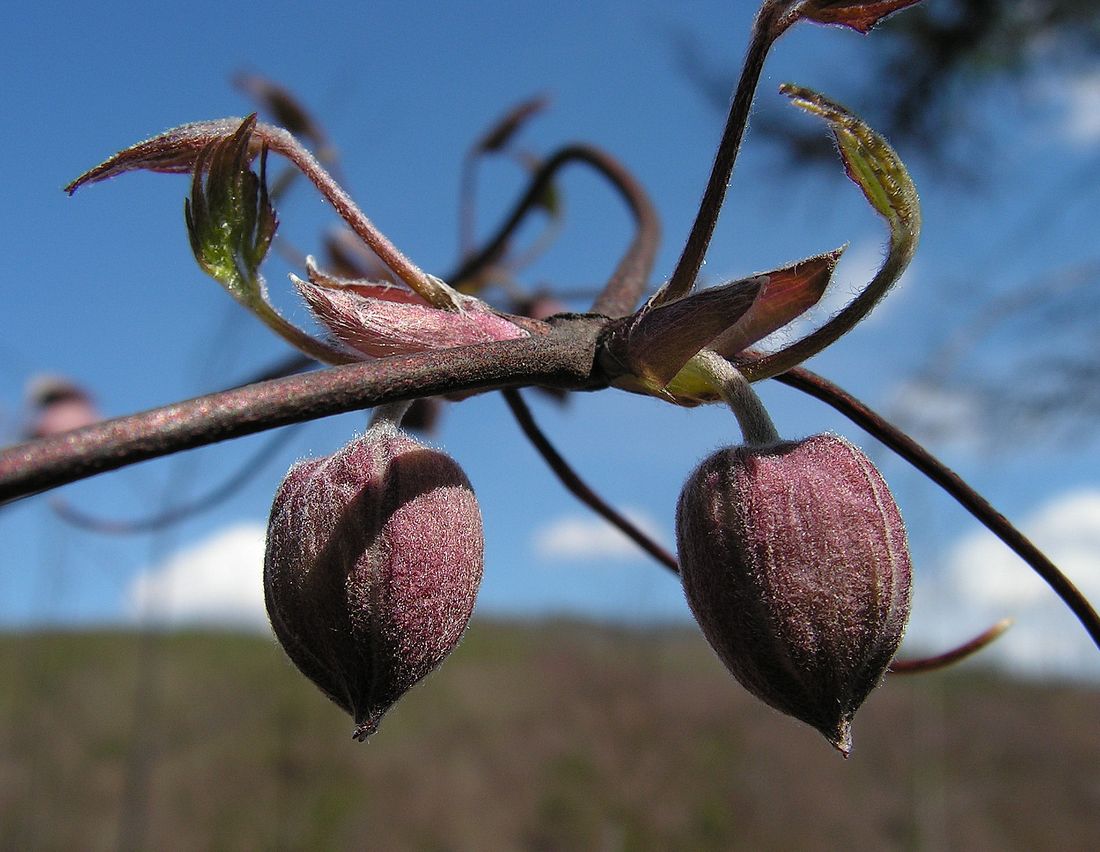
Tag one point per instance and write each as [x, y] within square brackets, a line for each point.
[374, 557]
[795, 564]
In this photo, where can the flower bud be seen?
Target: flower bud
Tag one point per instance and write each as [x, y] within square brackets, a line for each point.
[795, 564]
[374, 557]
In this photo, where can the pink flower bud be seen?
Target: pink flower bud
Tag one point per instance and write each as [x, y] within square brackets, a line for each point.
[374, 558]
[379, 319]
[795, 564]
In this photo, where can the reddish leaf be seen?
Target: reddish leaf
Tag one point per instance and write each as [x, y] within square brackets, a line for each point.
[860, 15]
[661, 340]
[375, 324]
[788, 293]
[174, 151]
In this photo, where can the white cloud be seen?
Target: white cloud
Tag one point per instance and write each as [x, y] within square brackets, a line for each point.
[940, 412]
[218, 581]
[584, 537]
[1081, 98]
[983, 581]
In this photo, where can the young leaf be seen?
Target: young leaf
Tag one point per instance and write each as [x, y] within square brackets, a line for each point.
[860, 15]
[175, 151]
[878, 171]
[868, 158]
[230, 220]
[788, 293]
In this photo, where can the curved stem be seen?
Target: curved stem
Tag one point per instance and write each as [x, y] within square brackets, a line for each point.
[899, 254]
[391, 414]
[72, 515]
[438, 293]
[753, 418]
[577, 487]
[316, 349]
[628, 281]
[955, 655]
[770, 23]
[564, 357]
[904, 446]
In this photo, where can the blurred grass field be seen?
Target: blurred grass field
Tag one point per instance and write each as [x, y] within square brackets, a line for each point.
[554, 735]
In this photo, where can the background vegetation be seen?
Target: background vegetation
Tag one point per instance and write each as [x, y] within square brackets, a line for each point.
[553, 735]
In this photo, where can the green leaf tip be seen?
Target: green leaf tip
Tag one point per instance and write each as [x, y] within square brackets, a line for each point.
[230, 218]
[869, 160]
[878, 171]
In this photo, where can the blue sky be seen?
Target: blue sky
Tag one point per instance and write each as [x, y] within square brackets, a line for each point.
[102, 287]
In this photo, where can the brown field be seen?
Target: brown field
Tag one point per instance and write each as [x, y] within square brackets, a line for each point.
[556, 735]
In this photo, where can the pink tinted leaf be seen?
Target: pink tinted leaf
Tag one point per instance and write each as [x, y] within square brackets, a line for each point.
[860, 15]
[788, 293]
[370, 288]
[378, 327]
[174, 151]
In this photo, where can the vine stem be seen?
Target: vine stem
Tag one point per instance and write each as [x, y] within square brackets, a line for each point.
[437, 292]
[753, 418]
[563, 357]
[578, 487]
[904, 446]
[628, 281]
[942, 661]
[771, 22]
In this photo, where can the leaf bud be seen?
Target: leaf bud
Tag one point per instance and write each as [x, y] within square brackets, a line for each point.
[795, 564]
[374, 557]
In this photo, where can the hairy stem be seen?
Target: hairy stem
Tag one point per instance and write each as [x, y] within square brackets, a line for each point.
[955, 655]
[770, 23]
[900, 253]
[565, 357]
[755, 422]
[438, 293]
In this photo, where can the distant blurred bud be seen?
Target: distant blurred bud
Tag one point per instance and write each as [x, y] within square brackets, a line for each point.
[796, 566]
[58, 405]
[539, 305]
[374, 558]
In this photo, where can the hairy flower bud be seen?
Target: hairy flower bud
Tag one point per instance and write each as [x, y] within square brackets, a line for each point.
[795, 564]
[374, 557]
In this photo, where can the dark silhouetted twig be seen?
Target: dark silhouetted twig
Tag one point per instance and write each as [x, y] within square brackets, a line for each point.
[578, 487]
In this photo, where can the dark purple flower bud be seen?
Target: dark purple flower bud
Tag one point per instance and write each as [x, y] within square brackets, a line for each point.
[374, 558]
[795, 564]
